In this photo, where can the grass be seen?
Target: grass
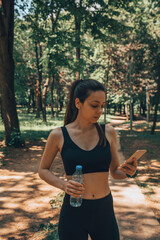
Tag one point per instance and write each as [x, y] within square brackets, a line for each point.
[33, 129]
[48, 231]
[57, 201]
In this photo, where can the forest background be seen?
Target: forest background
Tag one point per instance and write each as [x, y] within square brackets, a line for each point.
[46, 45]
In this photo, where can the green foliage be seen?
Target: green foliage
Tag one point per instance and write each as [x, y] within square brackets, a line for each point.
[50, 231]
[109, 31]
[57, 201]
[16, 139]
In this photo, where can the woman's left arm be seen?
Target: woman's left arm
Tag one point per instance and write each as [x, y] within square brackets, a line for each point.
[116, 170]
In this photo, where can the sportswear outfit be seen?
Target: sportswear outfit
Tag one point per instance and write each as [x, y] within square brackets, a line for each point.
[95, 216]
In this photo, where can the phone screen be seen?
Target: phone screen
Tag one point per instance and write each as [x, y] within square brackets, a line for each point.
[136, 155]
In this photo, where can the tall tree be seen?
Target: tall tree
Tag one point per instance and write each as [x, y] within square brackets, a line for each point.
[9, 112]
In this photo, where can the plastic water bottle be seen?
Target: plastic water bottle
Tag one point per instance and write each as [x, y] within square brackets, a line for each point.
[77, 177]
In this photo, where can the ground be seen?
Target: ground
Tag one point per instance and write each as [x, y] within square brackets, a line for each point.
[25, 198]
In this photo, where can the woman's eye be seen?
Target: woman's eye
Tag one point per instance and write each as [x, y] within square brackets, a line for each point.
[94, 106]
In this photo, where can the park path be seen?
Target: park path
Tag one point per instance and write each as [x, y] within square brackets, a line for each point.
[24, 199]
[135, 218]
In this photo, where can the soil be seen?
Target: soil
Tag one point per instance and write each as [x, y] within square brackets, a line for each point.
[24, 197]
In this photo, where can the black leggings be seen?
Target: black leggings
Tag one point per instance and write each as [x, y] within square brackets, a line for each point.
[93, 217]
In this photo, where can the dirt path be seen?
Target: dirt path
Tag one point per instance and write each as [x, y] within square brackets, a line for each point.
[24, 197]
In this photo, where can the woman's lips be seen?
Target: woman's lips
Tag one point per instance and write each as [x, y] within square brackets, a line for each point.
[96, 117]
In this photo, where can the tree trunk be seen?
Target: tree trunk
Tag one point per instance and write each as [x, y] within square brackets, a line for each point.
[39, 82]
[148, 102]
[105, 85]
[140, 108]
[44, 99]
[29, 101]
[33, 100]
[143, 106]
[127, 107]
[57, 99]
[9, 112]
[133, 116]
[52, 100]
[106, 82]
[124, 110]
[54, 22]
[120, 109]
[78, 50]
[156, 105]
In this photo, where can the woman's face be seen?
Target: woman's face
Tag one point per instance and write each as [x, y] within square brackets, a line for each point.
[92, 107]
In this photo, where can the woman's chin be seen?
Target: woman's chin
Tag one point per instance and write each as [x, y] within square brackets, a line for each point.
[95, 119]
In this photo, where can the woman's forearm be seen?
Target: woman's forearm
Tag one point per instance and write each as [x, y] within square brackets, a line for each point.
[118, 174]
[51, 179]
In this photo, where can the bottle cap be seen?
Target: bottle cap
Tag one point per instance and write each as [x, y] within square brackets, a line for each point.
[79, 167]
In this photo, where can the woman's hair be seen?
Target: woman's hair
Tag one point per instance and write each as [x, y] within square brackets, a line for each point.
[82, 89]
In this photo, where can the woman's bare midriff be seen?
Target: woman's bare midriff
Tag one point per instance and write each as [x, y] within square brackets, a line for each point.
[96, 185]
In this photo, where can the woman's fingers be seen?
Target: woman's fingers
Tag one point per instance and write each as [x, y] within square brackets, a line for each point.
[129, 166]
[74, 188]
[77, 186]
[128, 169]
[76, 183]
[134, 162]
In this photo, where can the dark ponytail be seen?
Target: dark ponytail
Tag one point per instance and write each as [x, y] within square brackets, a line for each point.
[81, 89]
[71, 110]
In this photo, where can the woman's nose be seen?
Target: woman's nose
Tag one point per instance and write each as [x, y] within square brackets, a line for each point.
[100, 110]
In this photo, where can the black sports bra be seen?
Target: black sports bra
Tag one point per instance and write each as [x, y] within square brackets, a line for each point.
[96, 160]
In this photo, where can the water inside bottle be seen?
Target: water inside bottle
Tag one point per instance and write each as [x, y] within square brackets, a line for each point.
[76, 202]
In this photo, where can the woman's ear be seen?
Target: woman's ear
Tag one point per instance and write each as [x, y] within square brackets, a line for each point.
[77, 103]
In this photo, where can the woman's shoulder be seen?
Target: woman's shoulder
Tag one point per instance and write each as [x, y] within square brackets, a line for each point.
[109, 128]
[56, 137]
[110, 132]
[56, 133]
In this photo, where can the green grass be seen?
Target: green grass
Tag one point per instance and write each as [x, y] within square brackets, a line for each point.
[33, 129]
[57, 201]
[49, 231]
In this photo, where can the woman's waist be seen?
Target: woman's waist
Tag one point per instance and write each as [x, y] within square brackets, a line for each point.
[93, 177]
[96, 185]
[96, 192]
[91, 197]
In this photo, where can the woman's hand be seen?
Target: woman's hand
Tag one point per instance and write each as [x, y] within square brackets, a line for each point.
[129, 168]
[74, 189]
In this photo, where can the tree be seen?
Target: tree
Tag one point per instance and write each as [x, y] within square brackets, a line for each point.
[148, 34]
[9, 112]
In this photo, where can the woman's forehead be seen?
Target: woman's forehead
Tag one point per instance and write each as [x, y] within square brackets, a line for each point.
[98, 96]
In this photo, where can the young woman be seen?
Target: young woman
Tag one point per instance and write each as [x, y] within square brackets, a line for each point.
[82, 141]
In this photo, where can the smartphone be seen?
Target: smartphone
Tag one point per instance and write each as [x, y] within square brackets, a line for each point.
[136, 155]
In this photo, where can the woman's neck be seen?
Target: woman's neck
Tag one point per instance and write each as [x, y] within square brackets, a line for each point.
[82, 124]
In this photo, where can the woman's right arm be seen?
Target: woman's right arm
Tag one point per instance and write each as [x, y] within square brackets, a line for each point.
[52, 147]
[50, 151]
